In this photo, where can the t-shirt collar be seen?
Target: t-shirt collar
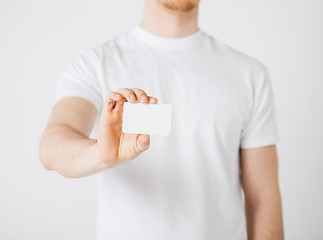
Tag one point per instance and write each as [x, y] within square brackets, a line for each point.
[158, 41]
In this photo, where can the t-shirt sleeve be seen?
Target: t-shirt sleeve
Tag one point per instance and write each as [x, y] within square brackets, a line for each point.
[79, 78]
[260, 127]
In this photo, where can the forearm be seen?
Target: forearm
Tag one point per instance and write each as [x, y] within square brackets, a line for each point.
[264, 218]
[69, 153]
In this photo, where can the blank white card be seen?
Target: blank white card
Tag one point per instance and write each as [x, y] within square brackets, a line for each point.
[142, 118]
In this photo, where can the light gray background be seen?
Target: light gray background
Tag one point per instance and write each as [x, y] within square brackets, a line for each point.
[38, 37]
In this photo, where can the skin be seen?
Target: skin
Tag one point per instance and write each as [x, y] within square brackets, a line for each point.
[259, 176]
[65, 145]
[66, 148]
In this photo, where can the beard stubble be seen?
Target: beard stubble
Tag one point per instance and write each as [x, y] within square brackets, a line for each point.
[179, 5]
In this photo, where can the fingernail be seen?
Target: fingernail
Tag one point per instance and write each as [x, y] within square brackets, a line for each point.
[132, 96]
[143, 97]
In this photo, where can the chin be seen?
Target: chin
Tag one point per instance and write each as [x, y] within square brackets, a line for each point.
[179, 5]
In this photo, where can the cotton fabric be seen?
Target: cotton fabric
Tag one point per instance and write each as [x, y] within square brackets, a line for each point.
[186, 185]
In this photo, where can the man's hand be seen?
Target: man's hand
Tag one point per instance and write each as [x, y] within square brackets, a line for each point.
[65, 145]
[114, 146]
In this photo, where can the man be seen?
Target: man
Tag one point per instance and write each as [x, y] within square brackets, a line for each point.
[186, 185]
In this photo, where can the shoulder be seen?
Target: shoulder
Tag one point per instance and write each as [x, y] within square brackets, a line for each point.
[235, 57]
[106, 48]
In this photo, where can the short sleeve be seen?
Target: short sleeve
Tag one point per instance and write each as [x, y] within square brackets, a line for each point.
[79, 78]
[260, 127]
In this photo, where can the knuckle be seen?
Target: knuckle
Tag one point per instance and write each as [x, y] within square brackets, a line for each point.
[137, 151]
[132, 92]
[140, 91]
[125, 91]
[107, 98]
[122, 89]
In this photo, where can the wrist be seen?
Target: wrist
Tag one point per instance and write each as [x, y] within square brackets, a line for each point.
[104, 161]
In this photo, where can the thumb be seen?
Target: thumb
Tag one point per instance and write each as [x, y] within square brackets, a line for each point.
[143, 142]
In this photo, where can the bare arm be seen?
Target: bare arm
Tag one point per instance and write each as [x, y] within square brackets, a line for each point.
[65, 145]
[259, 171]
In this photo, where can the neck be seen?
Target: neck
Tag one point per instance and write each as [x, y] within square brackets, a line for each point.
[161, 21]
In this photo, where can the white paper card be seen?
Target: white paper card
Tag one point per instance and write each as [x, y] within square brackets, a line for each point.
[142, 118]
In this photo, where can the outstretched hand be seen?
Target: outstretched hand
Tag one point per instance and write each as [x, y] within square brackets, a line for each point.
[114, 146]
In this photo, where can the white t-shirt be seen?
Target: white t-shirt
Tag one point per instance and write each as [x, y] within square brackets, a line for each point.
[186, 186]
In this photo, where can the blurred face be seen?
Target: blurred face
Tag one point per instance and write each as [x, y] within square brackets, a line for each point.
[179, 5]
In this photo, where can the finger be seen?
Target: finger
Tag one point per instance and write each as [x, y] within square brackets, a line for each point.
[141, 95]
[128, 94]
[152, 100]
[112, 100]
[143, 142]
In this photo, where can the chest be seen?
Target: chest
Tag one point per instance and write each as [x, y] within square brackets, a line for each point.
[201, 93]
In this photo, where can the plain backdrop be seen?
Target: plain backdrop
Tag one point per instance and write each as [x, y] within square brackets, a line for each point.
[38, 37]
